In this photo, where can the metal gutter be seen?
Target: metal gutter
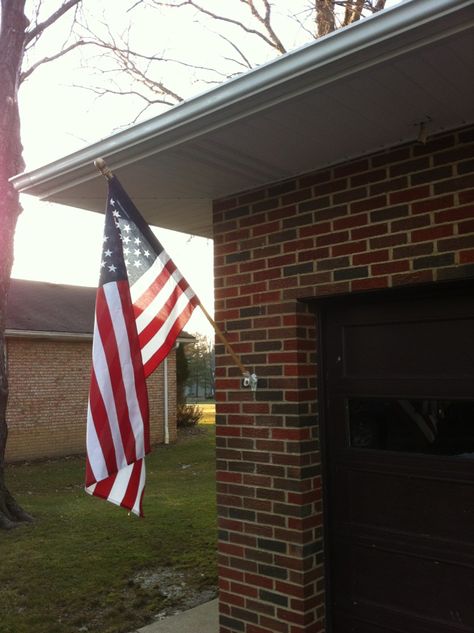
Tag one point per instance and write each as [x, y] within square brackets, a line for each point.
[398, 29]
[70, 336]
[50, 336]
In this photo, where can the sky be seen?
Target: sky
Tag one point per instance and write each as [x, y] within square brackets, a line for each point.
[60, 116]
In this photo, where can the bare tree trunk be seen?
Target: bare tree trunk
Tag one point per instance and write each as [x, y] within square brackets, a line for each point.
[325, 20]
[12, 41]
[14, 36]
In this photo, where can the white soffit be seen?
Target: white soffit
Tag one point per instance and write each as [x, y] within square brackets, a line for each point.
[358, 90]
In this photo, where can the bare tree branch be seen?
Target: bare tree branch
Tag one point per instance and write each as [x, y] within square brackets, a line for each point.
[126, 59]
[102, 92]
[157, 87]
[266, 21]
[25, 74]
[216, 16]
[141, 68]
[153, 58]
[37, 12]
[42, 26]
[134, 5]
[246, 63]
[309, 11]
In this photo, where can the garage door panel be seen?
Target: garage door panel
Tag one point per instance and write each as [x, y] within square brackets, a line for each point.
[407, 386]
[371, 618]
[456, 553]
[403, 586]
[408, 349]
[389, 581]
[347, 622]
[431, 506]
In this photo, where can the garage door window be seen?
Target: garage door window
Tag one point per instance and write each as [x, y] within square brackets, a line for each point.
[436, 427]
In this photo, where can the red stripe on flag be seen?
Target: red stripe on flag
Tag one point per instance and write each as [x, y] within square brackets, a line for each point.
[136, 358]
[163, 351]
[154, 289]
[133, 487]
[183, 284]
[90, 479]
[160, 319]
[110, 345]
[102, 428]
[104, 487]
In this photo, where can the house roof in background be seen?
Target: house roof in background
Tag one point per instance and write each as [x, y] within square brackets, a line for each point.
[360, 89]
[42, 307]
[38, 306]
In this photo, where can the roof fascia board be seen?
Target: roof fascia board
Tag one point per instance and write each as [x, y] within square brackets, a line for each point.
[385, 35]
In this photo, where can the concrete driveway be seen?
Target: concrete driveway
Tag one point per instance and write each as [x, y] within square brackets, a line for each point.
[201, 619]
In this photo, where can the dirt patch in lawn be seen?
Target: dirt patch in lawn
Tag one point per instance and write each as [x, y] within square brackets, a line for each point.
[173, 585]
[186, 432]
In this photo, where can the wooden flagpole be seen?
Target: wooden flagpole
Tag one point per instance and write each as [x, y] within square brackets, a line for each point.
[224, 340]
[102, 167]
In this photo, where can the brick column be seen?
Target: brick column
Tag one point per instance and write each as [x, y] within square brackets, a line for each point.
[269, 474]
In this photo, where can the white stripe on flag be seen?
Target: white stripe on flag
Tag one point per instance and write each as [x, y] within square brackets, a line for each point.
[99, 362]
[155, 306]
[160, 337]
[120, 486]
[141, 486]
[94, 449]
[123, 345]
[145, 281]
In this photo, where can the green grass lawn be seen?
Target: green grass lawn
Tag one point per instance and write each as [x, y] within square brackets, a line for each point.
[80, 566]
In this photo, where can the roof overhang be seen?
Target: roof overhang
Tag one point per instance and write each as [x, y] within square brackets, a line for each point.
[360, 89]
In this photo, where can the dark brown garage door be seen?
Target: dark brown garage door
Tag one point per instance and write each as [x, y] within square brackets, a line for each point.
[399, 426]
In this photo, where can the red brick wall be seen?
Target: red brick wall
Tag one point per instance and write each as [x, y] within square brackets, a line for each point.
[402, 216]
[47, 406]
[156, 400]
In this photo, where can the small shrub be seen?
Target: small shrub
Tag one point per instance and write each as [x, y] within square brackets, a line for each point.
[188, 415]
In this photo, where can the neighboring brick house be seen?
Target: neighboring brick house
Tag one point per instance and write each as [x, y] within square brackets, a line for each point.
[49, 350]
[338, 185]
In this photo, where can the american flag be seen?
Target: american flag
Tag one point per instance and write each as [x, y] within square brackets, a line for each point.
[143, 302]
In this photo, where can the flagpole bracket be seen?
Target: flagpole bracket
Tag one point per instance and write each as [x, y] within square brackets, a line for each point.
[250, 380]
[103, 168]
